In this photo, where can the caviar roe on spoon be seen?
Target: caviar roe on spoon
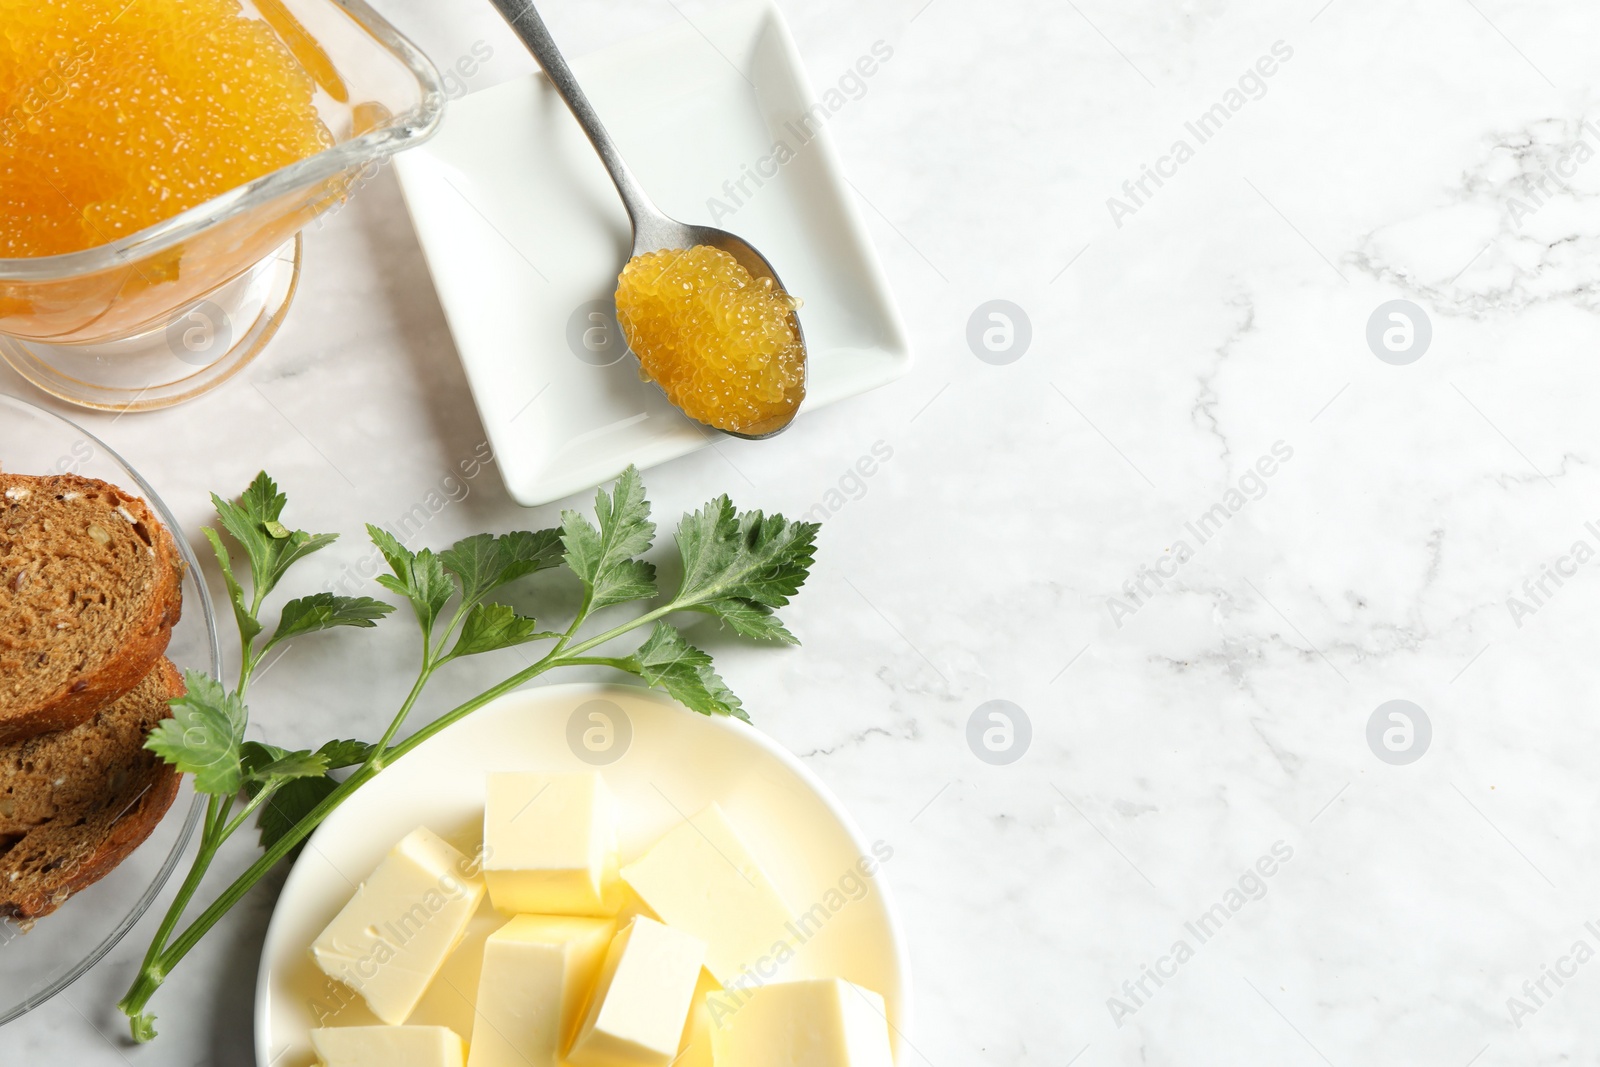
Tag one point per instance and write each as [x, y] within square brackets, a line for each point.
[719, 343]
[702, 308]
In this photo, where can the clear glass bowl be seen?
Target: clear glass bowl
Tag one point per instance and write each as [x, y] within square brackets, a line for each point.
[37, 964]
[165, 314]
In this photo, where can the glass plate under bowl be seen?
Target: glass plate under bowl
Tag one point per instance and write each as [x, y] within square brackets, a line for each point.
[38, 964]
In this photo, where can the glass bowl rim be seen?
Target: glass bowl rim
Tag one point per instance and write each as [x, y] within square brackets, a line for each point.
[208, 618]
[409, 127]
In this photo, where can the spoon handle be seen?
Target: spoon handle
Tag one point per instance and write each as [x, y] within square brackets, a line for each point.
[526, 23]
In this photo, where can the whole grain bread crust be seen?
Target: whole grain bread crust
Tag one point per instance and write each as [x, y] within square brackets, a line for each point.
[76, 701]
[140, 812]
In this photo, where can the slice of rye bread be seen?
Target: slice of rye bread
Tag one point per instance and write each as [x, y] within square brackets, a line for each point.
[75, 803]
[91, 585]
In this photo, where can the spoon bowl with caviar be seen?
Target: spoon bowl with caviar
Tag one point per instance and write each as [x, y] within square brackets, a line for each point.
[704, 312]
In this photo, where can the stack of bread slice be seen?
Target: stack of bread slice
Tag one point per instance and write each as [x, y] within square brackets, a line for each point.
[90, 588]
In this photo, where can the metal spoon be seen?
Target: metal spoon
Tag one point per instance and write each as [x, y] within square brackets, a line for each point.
[653, 230]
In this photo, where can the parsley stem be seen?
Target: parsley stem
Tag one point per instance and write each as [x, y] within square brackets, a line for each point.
[165, 955]
[617, 631]
[578, 619]
[376, 761]
[249, 809]
[161, 961]
[208, 826]
[594, 661]
[191, 884]
[436, 656]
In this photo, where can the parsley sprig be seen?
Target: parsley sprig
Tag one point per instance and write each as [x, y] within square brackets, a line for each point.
[737, 567]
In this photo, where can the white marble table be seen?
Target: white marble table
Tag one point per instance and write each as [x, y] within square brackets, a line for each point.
[1191, 719]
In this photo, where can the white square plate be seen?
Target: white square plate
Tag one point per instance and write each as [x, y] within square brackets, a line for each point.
[524, 235]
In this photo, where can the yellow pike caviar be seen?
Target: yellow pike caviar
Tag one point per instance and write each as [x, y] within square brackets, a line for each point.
[718, 342]
[115, 115]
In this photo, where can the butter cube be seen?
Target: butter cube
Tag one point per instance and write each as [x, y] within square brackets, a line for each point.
[389, 1046]
[452, 994]
[537, 970]
[823, 1023]
[694, 1049]
[550, 845]
[641, 1001]
[701, 879]
[392, 937]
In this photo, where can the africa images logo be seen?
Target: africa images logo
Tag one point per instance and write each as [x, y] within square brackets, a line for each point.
[1251, 85]
[1252, 885]
[798, 132]
[1250, 487]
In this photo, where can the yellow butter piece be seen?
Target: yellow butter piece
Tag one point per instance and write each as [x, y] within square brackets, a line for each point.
[826, 1022]
[701, 879]
[537, 972]
[632, 905]
[389, 1046]
[392, 937]
[694, 1049]
[454, 990]
[641, 1001]
[550, 845]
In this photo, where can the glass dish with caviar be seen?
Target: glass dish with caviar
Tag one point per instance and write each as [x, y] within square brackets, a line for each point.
[158, 160]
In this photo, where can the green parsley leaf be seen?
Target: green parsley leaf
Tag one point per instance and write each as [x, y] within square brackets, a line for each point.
[261, 501]
[739, 567]
[251, 522]
[748, 619]
[420, 577]
[750, 556]
[324, 611]
[488, 627]
[530, 551]
[254, 755]
[203, 735]
[290, 804]
[345, 753]
[483, 563]
[295, 782]
[249, 625]
[603, 559]
[669, 662]
[398, 556]
[268, 766]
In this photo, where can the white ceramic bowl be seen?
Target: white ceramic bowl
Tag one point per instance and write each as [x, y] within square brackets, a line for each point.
[36, 965]
[669, 762]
